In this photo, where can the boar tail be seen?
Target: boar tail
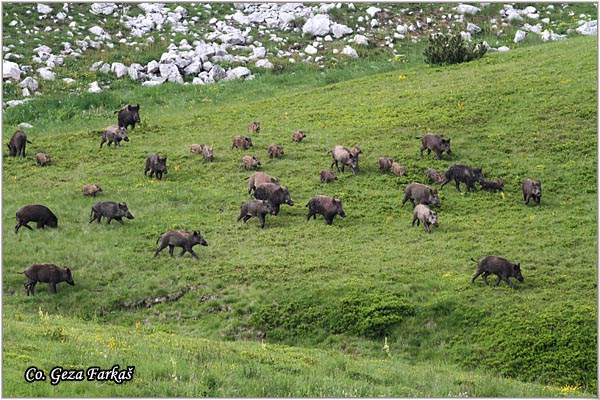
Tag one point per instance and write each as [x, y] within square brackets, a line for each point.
[473, 260]
[29, 141]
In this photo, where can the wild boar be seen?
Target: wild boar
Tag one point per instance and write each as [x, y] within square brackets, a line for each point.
[327, 206]
[493, 185]
[327, 175]
[274, 150]
[110, 210]
[398, 169]
[254, 127]
[355, 151]
[423, 194]
[129, 116]
[436, 143]
[208, 153]
[274, 193]
[260, 178]
[241, 142]
[424, 214]
[343, 155]
[298, 136]
[434, 175]
[35, 213]
[532, 189]
[42, 159]
[115, 134]
[196, 148]
[500, 267]
[250, 162]
[46, 273]
[256, 208]
[185, 240]
[17, 144]
[156, 165]
[91, 189]
[385, 163]
[463, 173]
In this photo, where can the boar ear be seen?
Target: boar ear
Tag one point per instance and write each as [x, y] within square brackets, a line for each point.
[138, 107]
[196, 233]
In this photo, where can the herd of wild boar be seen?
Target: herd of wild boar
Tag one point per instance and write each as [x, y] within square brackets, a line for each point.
[269, 194]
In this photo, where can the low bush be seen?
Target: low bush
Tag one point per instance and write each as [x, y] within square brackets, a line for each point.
[451, 49]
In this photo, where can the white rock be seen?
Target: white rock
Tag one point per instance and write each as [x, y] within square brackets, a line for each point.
[238, 73]
[152, 83]
[589, 28]
[44, 9]
[319, 25]
[170, 72]
[519, 36]
[46, 74]
[94, 88]
[372, 11]
[198, 81]
[472, 28]
[402, 29]
[25, 125]
[350, 52]
[310, 49]
[103, 8]
[101, 33]
[503, 49]
[466, 9]
[361, 40]
[193, 68]
[119, 69]
[151, 7]
[264, 64]
[26, 92]
[217, 73]
[29, 83]
[12, 103]
[466, 36]
[550, 35]
[68, 80]
[233, 38]
[152, 67]
[340, 30]
[11, 70]
[134, 71]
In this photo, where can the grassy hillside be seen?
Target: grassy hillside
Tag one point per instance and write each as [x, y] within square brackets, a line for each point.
[369, 306]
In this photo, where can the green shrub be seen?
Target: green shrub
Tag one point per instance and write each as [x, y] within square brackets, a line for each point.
[451, 49]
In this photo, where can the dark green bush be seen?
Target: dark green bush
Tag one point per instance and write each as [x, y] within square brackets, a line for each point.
[451, 49]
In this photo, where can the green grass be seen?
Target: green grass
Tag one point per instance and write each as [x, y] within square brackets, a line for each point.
[528, 113]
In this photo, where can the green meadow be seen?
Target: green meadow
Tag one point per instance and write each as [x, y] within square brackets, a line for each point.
[369, 306]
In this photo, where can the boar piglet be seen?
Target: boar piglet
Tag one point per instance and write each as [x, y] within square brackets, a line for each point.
[17, 143]
[298, 136]
[384, 163]
[42, 159]
[327, 175]
[424, 214]
[493, 185]
[463, 173]
[250, 162]
[398, 169]
[185, 240]
[435, 176]
[274, 150]
[241, 142]
[110, 210]
[275, 194]
[91, 189]
[46, 273]
[256, 208]
[129, 116]
[35, 213]
[114, 134]
[254, 127]
[423, 194]
[532, 189]
[327, 206]
[196, 148]
[500, 267]
[344, 156]
[260, 178]
[208, 153]
[156, 165]
[435, 143]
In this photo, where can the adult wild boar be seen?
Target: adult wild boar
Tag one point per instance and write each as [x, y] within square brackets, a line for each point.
[42, 159]
[298, 136]
[500, 267]
[463, 173]
[274, 150]
[343, 155]
[493, 185]
[274, 193]
[110, 210]
[17, 144]
[91, 189]
[46, 273]
[423, 194]
[327, 175]
[35, 213]
[156, 165]
[115, 134]
[250, 162]
[327, 206]
[385, 163]
[435, 143]
[129, 116]
[434, 175]
[531, 189]
[185, 240]
[398, 169]
[256, 208]
[424, 214]
[241, 142]
[260, 178]
[254, 127]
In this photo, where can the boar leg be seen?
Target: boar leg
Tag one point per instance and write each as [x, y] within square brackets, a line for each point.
[171, 248]
[192, 252]
[417, 220]
[20, 224]
[485, 275]
[427, 228]
[120, 220]
[53, 287]
[262, 220]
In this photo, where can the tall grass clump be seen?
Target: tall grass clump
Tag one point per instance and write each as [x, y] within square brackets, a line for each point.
[445, 49]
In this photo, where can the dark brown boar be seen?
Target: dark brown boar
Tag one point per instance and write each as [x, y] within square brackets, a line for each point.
[256, 208]
[254, 127]
[424, 214]
[493, 185]
[114, 133]
[35, 213]
[110, 210]
[500, 267]
[298, 136]
[343, 155]
[91, 189]
[241, 142]
[327, 175]
[436, 143]
[42, 159]
[398, 169]
[46, 273]
[260, 178]
[250, 162]
[327, 206]
[274, 150]
[129, 116]
[185, 240]
[435, 176]
[156, 165]
[17, 144]
[463, 173]
[531, 189]
[275, 194]
[423, 194]
[385, 163]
